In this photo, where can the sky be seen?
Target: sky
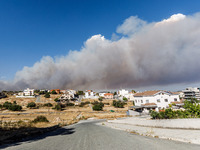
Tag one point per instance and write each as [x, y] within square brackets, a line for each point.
[33, 29]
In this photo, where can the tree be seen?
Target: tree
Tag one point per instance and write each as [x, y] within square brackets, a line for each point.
[31, 105]
[53, 92]
[115, 93]
[125, 99]
[118, 104]
[100, 98]
[15, 107]
[80, 93]
[98, 107]
[47, 95]
[133, 91]
[58, 107]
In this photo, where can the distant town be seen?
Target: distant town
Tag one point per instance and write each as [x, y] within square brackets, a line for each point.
[143, 102]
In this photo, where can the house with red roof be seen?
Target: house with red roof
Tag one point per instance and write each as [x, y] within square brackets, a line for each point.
[108, 96]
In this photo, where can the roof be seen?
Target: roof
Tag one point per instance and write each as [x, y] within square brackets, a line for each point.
[107, 94]
[55, 89]
[175, 93]
[149, 105]
[146, 93]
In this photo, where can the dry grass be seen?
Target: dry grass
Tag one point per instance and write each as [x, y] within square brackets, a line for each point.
[69, 115]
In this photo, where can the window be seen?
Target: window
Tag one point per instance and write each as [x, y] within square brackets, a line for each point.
[175, 99]
[141, 101]
[135, 101]
[147, 101]
[166, 100]
[158, 100]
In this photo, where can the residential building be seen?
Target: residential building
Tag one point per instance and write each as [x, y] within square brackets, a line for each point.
[101, 94]
[89, 94]
[108, 95]
[155, 100]
[123, 93]
[191, 93]
[29, 93]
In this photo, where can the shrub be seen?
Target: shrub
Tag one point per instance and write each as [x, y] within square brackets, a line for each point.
[58, 107]
[15, 107]
[70, 104]
[31, 105]
[53, 92]
[56, 99]
[48, 105]
[47, 95]
[1, 106]
[125, 99]
[118, 104]
[40, 119]
[154, 115]
[83, 104]
[7, 105]
[98, 107]
[100, 98]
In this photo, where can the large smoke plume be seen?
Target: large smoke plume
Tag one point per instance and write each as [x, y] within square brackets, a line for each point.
[146, 54]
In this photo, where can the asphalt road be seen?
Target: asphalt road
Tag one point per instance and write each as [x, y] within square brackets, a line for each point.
[86, 135]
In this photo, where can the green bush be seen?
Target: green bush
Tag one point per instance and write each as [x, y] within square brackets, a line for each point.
[192, 110]
[15, 107]
[31, 105]
[118, 104]
[100, 98]
[70, 104]
[40, 119]
[84, 103]
[7, 105]
[53, 92]
[125, 99]
[47, 95]
[56, 99]
[1, 106]
[48, 105]
[58, 107]
[10, 106]
[97, 107]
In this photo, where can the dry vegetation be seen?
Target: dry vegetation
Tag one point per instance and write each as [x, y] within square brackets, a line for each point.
[14, 122]
[69, 115]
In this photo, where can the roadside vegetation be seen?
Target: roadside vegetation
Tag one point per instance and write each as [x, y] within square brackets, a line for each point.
[192, 110]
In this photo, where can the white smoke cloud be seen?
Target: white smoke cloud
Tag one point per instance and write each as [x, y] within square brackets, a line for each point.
[158, 53]
[131, 25]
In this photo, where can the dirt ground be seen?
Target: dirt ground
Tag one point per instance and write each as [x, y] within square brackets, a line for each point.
[69, 115]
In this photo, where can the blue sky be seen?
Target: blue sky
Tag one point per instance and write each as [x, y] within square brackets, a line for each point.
[31, 29]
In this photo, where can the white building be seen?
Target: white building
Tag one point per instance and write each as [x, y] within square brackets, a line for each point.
[101, 94]
[123, 93]
[155, 99]
[191, 93]
[89, 94]
[29, 93]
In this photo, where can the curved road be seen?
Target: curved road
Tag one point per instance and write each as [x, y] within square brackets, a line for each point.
[86, 135]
